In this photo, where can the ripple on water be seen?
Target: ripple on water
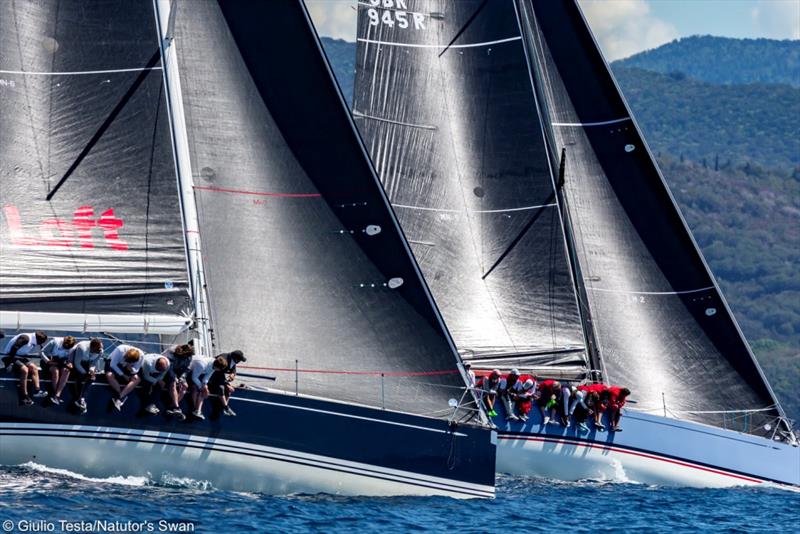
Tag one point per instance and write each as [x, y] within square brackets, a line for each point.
[33, 491]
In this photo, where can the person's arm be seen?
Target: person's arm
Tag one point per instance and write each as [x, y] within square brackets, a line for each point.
[21, 342]
[48, 351]
[115, 359]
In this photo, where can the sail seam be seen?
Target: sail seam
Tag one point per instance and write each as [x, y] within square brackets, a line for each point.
[699, 290]
[444, 210]
[442, 47]
[599, 123]
[359, 115]
[76, 73]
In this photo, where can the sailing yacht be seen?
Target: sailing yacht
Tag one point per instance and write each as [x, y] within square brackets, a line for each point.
[552, 244]
[166, 175]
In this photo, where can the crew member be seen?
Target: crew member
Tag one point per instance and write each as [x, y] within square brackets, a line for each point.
[549, 394]
[154, 369]
[55, 357]
[563, 406]
[180, 357]
[470, 374]
[507, 395]
[582, 406]
[200, 371]
[122, 367]
[524, 390]
[221, 382]
[489, 385]
[600, 406]
[85, 357]
[616, 400]
[16, 350]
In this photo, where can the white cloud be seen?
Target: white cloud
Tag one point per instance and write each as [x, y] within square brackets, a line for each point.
[624, 27]
[779, 19]
[334, 18]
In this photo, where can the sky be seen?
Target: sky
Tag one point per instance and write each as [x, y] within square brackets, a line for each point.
[625, 27]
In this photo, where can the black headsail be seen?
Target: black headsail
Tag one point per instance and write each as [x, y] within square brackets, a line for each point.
[307, 270]
[89, 216]
[444, 104]
[661, 324]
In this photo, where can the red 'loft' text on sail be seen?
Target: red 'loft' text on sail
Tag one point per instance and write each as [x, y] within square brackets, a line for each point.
[79, 232]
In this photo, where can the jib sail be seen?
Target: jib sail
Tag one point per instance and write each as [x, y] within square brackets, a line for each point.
[443, 101]
[307, 270]
[90, 225]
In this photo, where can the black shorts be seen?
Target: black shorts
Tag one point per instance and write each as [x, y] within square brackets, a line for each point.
[61, 363]
[171, 377]
[20, 361]
[119, 377]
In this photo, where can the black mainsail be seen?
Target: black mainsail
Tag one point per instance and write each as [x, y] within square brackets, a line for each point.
[443, 101]
[661, 323]
[90, 228]
[307, 271]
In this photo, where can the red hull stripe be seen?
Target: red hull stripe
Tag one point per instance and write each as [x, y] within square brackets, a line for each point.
[634, 453]
[255, 193]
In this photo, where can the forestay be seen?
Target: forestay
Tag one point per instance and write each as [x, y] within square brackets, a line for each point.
[90, 227]
[663, 328]
[306, 267]
[443, 101]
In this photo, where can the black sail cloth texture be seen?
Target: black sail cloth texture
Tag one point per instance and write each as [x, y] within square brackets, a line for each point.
[83, 121]
[661, 325]
[444, 103]
[306, 268]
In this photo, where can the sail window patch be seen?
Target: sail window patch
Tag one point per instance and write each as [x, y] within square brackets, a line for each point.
[630, 148]
[479, 192]
[394, 283]
[372, 229]
[711, 311]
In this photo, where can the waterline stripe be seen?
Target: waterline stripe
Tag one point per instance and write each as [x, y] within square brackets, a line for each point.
[241, 448]
[441, 47]
[602, 123]
[76, 73]
[604, 446]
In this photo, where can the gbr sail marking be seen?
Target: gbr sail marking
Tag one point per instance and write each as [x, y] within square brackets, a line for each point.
[391, 12]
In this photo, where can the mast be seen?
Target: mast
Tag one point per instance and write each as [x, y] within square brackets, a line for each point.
[165, 16]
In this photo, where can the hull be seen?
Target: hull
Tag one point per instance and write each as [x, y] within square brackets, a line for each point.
[278, 444]
[650, 450]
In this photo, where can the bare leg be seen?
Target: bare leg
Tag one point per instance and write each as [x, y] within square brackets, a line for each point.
[54, 377]
[23, 380]
[62, 381]
[112, 382]
[130, 386]
[34, 376]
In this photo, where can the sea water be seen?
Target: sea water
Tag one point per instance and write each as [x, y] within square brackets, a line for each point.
[34, 498]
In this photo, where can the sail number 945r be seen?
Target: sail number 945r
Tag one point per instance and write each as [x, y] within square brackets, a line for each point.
[393, 12]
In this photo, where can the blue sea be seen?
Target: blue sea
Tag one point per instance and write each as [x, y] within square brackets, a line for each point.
[34, 498]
